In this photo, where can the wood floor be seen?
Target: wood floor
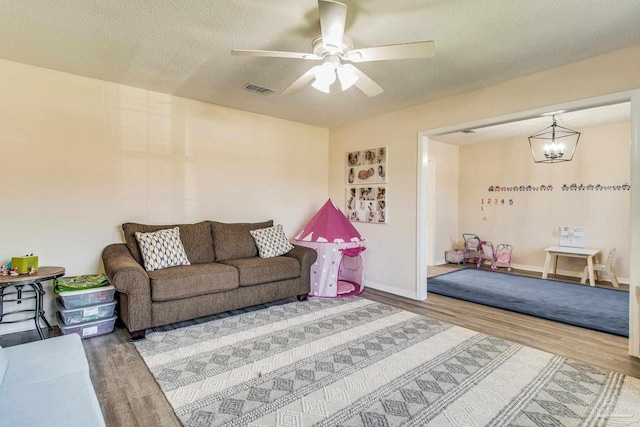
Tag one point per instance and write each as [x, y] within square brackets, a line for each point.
[129, 396]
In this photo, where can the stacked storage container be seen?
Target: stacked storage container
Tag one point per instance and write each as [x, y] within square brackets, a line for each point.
[87, 311]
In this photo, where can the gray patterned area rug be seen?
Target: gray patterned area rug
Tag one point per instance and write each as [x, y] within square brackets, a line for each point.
[355, 362]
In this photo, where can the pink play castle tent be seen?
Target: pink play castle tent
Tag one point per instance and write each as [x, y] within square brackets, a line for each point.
[339, 269]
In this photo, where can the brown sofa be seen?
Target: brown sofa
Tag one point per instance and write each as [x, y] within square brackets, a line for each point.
[226, 273]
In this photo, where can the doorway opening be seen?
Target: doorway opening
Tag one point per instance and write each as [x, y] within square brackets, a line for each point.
[428, 249]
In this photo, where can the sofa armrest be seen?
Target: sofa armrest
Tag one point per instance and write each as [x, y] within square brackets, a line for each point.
[307, 257]
[123, 271]
[132, 282]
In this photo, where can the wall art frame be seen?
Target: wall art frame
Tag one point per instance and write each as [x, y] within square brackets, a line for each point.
[367, 167]
[367, 204]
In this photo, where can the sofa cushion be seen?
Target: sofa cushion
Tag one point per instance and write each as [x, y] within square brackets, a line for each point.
[255, 270]
[189, 281]
[162, 249]
[271, 241]
[196, 239]
[232, 241]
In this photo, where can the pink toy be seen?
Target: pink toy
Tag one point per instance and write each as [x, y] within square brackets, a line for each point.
[472, 248]
[487, 253]
[339, 269]
[503, 256]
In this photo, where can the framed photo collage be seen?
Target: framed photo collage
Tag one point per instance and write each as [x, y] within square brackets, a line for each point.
[366, 189]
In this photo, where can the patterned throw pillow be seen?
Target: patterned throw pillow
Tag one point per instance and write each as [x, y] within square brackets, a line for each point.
[162, 249]
[271, 241]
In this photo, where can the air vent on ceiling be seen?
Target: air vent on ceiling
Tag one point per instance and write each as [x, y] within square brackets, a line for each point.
[258, 89]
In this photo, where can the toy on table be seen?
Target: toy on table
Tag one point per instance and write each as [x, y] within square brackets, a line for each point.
[8, 270]
[24, 263]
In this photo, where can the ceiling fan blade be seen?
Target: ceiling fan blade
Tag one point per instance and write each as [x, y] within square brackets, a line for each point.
[425, 49]
[364, 82]
[274, 54]
[333, 16]
[301, 82]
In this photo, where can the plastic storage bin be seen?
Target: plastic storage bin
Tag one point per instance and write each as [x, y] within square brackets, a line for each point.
[454, 256]
[75, 299]
[88, 329]
[73, 316]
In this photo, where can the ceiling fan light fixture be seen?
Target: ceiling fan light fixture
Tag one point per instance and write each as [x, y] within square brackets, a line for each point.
[321, 86]
[325, 76]
[333, 47]
[347, 77]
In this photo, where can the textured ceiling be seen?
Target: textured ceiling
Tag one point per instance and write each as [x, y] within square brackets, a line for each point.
[182, 47]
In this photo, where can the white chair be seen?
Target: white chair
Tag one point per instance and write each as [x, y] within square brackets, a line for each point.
[606, 267]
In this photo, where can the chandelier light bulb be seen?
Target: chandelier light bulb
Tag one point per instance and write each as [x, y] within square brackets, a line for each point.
[554, 150]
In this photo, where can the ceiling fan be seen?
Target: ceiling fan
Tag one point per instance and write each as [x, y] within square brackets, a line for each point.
[333, 48]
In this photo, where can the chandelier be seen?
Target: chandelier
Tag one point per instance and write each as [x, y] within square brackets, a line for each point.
[554, 144]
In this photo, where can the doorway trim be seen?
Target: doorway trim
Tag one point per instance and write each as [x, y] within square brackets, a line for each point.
[633, 97]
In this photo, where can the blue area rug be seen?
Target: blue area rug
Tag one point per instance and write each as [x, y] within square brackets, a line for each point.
[604, 310]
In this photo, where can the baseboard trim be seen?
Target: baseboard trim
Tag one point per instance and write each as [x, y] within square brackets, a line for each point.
[390, 289]
[567, 273]
[537, 269]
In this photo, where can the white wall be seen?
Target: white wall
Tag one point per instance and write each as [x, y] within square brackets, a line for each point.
[392, 248]
[443, 200]
[387, 266]
[69, 199]
[531, 222]
[82, 156]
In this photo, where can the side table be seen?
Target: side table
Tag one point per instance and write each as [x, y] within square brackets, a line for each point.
[34, 281]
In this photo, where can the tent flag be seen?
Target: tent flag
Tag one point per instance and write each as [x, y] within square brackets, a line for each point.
[329, 225]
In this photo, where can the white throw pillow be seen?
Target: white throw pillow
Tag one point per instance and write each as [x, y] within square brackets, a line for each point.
[271, 241]
[162, 249]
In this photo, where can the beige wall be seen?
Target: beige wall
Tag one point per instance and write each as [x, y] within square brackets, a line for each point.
[391, 262]
[532, 222]
[390, 257]
[88, 155]
[82, 156]
[442, 199]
